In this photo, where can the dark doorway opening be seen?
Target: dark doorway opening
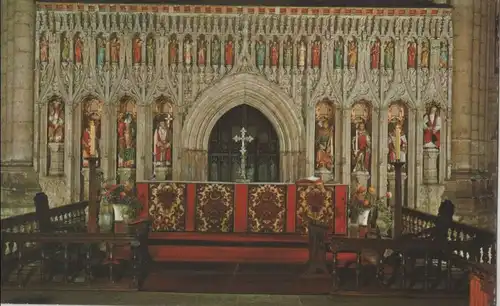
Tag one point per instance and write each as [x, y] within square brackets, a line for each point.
[262, 153]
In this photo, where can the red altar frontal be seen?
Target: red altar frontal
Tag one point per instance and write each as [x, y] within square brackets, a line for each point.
[226, 221]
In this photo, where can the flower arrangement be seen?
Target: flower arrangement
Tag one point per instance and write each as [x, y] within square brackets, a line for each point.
[122, 194]
[365, 198]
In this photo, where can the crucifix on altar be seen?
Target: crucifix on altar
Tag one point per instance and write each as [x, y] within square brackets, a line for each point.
[244, 139]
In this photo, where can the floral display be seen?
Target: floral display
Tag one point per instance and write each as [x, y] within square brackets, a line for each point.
[122, 194]
[364, 199]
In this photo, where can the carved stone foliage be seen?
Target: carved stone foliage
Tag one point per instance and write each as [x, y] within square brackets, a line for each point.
[91, 129]
[325, 136]
[163, 138]
[144, 50]
[127, 133]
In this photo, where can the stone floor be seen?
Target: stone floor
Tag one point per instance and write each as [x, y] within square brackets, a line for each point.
[172, 299]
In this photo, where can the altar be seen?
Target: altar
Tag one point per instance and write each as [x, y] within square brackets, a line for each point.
[236, 222]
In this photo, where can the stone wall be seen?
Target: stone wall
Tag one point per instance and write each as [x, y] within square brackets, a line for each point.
[282, 61]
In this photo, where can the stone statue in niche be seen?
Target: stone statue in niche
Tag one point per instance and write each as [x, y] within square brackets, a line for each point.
[432, 127]
[163, 140]
[126, 130]
[202, 51]
[91, 135]
[302, 54]
[375, 54]
[78, 49]
[338, 54]
[216, 51]
[114, 49]
[443, 55]
[397, 123]
[150, 51]
[172, 51]
[424, 54]
[389, 55]
[65, 49]
[56, 121]
[188, 48]
[44, 49]
[229, 52]
[325, 129]
[275, 53]
[361, 140]
[137, 49]
[101, 50]
[412, 55]
[287, 50]
[260, 50]
[316, 54]
[352, 54]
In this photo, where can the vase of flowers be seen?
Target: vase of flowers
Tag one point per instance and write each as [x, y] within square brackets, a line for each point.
[363, 200]
[123, 200]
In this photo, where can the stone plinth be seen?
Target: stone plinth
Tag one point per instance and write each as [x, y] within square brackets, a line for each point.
[56, 158]
[361, 177]
[430, 160]
[125, 174]
[325, 174]
[161, 173]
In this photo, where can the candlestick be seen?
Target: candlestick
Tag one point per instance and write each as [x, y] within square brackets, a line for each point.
[92, 138]
[398, 143]
[356, 142]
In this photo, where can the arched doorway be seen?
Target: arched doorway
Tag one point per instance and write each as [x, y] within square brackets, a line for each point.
[262, 156]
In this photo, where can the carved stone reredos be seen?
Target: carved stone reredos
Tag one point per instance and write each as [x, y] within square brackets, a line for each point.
[244, 26]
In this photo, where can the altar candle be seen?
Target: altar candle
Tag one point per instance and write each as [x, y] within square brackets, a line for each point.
[92, 138]
[397, 145]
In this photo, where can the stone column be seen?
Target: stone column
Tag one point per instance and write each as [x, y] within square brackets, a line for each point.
[4, 43]
[431, 155]
[463, 19]
[56, 165]
[19, 180]
[22, 81]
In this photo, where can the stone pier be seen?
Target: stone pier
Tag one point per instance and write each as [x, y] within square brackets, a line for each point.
[19, 178]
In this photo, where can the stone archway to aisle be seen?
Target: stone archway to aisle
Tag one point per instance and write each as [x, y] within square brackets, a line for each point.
[230, 92]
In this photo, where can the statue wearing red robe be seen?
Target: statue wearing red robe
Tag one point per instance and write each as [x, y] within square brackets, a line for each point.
[432, 128]
[315, 54]
[274, 55]
[375, 55]
[162, 146]
[361, 144]
[229, 53]
[412, 54]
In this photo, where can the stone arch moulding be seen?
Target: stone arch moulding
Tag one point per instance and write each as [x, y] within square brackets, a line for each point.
[229, 93]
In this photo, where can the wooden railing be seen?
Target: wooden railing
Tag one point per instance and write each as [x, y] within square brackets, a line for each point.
[66, 259]
[479, 245]
[404, 265]
[71, 214]
[27, 223]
